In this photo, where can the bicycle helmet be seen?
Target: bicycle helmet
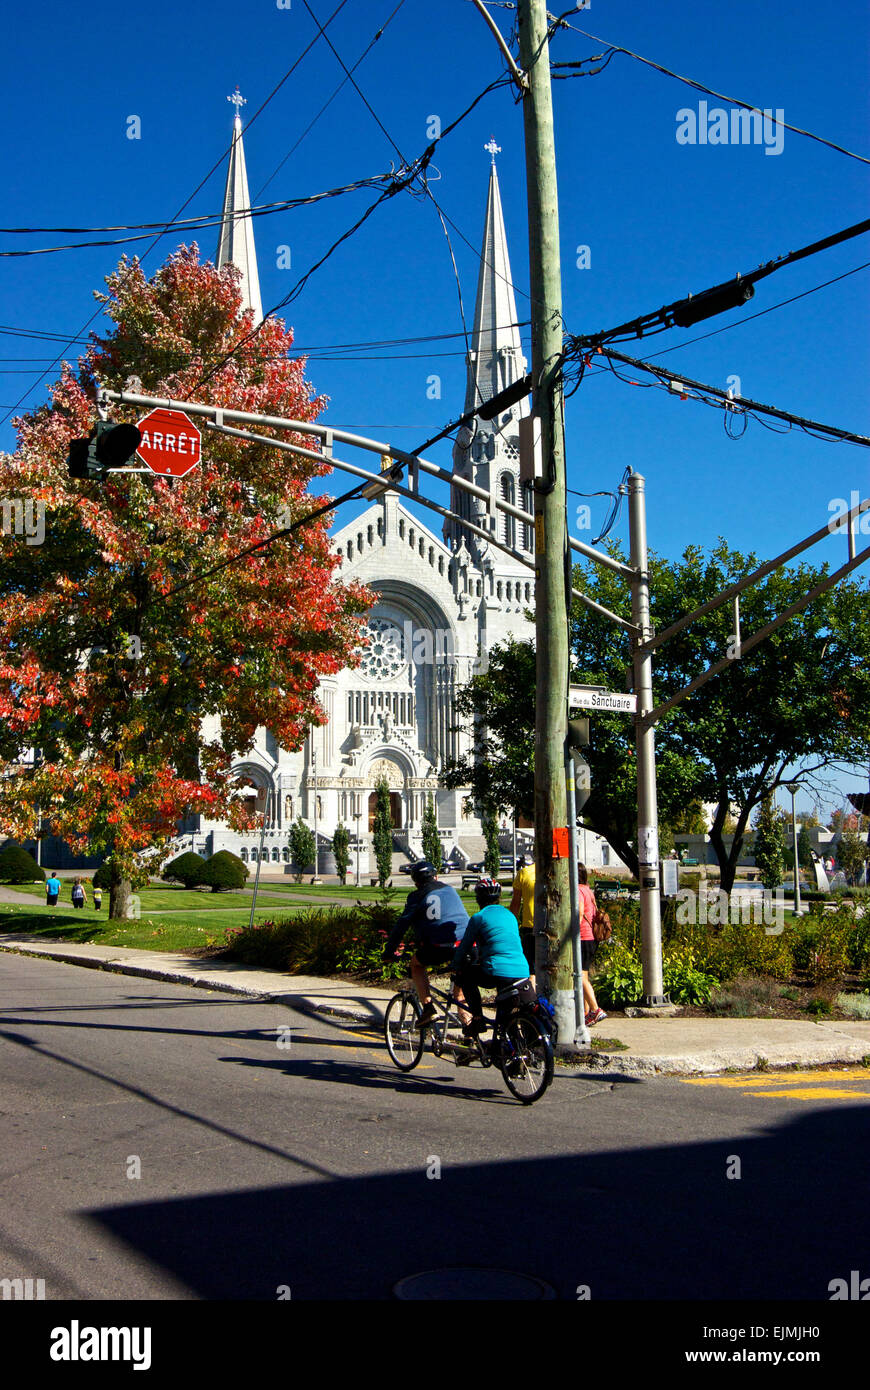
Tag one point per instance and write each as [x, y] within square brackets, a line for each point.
[422, 872]
[487, 891]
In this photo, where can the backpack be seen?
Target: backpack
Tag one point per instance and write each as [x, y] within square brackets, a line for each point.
[601, 928]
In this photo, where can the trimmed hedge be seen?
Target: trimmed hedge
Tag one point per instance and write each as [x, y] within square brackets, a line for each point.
[17, 866]
[223, 871]
[186, 869]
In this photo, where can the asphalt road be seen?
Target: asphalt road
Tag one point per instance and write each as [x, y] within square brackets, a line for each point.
[168, 1142]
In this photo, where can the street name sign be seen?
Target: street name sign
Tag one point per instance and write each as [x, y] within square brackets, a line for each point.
[170, 443]
[605, 701]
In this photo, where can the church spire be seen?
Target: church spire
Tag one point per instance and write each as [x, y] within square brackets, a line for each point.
[487, 453]
[236, 242]
[495, 358]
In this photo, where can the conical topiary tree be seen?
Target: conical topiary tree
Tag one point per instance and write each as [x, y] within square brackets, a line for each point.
[341, 850]
[383, 832]
[431, 839]
[768, 849]
[489, 825]
[302, 848]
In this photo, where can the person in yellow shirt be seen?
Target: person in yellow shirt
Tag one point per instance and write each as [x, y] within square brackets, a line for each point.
[523, 908]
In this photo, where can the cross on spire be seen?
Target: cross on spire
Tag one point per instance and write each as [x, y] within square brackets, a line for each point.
[493, 148]
[238, 101]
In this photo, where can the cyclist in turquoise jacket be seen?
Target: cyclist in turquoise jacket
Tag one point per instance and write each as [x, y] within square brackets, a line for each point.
[501, 959]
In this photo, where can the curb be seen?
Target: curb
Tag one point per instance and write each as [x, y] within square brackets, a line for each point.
[686, 1064]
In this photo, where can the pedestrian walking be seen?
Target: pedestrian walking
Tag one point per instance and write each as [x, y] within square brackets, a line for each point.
[523, 908]
[79, 896]
[52, 889]
[588, 945]
[98, 898]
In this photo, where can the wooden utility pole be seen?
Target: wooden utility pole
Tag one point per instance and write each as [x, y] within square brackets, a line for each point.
[552, 890]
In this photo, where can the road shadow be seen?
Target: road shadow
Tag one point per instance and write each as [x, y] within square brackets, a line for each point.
[649, 1223]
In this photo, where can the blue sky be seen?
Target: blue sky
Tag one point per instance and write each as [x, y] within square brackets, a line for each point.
[660, 218]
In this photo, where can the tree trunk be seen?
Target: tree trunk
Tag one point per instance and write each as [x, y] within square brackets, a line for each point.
[119, 898]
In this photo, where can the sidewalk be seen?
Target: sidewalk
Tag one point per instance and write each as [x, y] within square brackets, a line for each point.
[655, 1046]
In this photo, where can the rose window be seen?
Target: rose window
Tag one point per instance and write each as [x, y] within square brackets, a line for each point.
[384, 656]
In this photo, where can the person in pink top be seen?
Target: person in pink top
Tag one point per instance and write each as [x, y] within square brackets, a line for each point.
[588, 944]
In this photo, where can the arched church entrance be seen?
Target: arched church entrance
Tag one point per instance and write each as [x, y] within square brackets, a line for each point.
[395, 810]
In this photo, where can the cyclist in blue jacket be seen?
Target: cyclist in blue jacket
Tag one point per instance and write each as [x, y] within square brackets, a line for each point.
[502, 962]
[436, 913]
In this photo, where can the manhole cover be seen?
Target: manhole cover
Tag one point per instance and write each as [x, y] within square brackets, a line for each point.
[467, 1283]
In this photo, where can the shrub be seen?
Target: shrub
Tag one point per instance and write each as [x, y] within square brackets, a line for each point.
[748, 996]
[684, 982]
[855, 1005]
[223, 871]
[17, 866]
[186, 869]
[619, 981]
[308, 943]
[103, 877]
[363, 955]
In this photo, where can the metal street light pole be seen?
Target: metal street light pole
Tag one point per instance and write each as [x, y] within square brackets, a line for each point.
[793, 788]
[358, 815]
[647, 804]
[314, 779]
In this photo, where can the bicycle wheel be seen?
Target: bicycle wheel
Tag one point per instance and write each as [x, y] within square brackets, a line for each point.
[526, 1060]
[402, 1031]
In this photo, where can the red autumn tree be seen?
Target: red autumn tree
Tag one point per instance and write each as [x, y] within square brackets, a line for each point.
[138, 689]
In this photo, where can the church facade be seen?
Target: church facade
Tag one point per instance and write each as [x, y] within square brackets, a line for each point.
[442, 602]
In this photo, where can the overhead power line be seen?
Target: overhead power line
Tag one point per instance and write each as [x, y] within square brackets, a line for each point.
[685, 312]
[561, 23]
[686, 388]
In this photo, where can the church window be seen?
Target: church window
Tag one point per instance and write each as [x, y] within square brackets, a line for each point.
[508, 523]
[285, 854]
[478, 589]
[275, 854]
[508, 590]
[254, 856]
[350, 550]
[528, 593]
[340, 553]
[401, 528]
[431, 555]
[450, 574]
[440, 564]
[243, 855]
[422, 547]
[370, 534]
[498, 590]
[359, 540]
[411, 535]
[380, 525]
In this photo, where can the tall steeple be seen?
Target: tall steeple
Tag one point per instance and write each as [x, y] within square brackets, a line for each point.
[236, 242]
[487, 453]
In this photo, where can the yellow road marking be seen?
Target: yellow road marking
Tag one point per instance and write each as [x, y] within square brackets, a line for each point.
[770, 1078]
[815, 1093]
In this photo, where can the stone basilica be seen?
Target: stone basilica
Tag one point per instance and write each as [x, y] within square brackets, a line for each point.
[442, 602]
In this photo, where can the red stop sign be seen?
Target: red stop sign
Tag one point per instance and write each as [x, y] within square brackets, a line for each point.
[170, 443]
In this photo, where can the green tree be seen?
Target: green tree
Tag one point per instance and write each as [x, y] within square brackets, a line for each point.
[769, 850]
[383, 832]
[302, 847]
[223, 871]
[489, 826]
[341, 850]
[805, 849]
[852, 852]
[431, 838]
[186, 869]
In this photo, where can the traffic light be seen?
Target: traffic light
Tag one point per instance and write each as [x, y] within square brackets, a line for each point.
[106, 448]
